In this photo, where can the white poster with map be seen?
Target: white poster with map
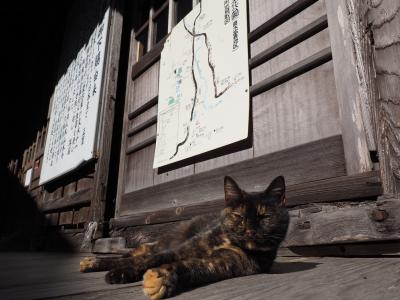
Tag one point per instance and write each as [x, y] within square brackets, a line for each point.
[204, 82]
[71, 137]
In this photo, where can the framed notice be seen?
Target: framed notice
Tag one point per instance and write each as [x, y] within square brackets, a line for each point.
[204, 82]
[71, 138]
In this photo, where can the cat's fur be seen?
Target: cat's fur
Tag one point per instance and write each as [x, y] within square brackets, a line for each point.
[242, 241]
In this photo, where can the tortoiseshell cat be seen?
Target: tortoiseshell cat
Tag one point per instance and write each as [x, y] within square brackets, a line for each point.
[242, 241]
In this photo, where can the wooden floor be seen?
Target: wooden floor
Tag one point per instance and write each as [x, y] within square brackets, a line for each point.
[56, 276]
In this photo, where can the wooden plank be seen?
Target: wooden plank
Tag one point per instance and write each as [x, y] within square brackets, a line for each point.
[77, 199]
[52, 219]
[66, 218]
[319, 160]
[70, 189]
[294, 54]
[81, 215]
[142, 126]
[297, 69]
[224, 159]
[56, 276]
[145, 87]
[345, 223]
[302, 110]
[344, 250]
[107, 110]
[347, 87]
[147, 105]
[295, 38]
[361, 186]
[141, 137]
[139, 169]
[139, 146]
[291, 72]
[148, 59]
[385, 20]
[279, 18]
[85, 183]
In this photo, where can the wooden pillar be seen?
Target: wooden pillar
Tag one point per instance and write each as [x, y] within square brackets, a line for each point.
[350, 90]
[98, 203]
[384, 20]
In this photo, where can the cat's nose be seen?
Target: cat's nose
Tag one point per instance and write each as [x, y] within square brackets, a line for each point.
[250, 232]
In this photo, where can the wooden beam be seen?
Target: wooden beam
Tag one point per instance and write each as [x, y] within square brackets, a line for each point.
[385, 53]
[361, 186]
[279, 19]
[147, 60]
[287, 43]
[139, 146]
[106, 115]
[143, 108]
[142, 126]
[345, 223]
[291, 72]
[347, 86]
[77, 199]
[313, 161]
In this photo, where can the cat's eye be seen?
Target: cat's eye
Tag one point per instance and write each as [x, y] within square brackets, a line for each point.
[237, 215]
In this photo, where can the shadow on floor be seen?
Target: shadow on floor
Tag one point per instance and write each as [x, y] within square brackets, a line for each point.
[290, 267]
[21, 221]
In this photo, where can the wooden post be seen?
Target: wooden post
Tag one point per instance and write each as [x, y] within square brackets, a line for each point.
[150, 35]
[384, 18]
[171, 14]
[350, 89]
[97, 207]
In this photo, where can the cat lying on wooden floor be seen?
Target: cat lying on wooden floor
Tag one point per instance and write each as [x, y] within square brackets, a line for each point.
[242, 241]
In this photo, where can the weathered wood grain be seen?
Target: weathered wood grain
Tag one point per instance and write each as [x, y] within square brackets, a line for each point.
[287, 29]
[384, 17]
[57, 276]
[321, 159]
[139, 169]
[362, 186]
[140, 137]
[293, 39]
[347, 87]
[276, 19]
[296, 112]
[125, 123]
[353, 222]
[149, 58]
[80, 198]
[106, 114]
[145, 87]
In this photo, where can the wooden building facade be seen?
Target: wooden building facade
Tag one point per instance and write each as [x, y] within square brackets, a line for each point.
[324, 113]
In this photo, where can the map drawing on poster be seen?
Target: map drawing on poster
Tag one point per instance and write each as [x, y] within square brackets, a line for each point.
[204, 82]
[71, 138]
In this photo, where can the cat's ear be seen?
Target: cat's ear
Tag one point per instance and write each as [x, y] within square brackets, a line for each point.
[277, 190]
[233, 193]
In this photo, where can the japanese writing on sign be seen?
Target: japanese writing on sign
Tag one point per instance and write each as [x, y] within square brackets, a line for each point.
[71, 135]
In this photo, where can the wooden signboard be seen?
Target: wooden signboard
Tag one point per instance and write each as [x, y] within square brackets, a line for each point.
[72, 131]
[204, 82]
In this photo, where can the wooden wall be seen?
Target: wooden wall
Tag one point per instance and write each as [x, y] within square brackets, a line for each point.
[297, 123]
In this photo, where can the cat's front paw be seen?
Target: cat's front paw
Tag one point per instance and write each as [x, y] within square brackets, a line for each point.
[122, 275]
[88, 264]
[159, 283]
